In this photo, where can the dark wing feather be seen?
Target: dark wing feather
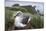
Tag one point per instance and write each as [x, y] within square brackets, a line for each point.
[25, 19]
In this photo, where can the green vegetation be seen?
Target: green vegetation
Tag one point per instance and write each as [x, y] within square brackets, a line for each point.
[36, 22]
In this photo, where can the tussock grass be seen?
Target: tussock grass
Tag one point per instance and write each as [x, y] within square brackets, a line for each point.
[36, 21]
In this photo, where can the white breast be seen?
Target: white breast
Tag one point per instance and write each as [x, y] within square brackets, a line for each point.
[18, 21]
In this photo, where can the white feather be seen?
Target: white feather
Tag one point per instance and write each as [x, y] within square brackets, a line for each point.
[18, 21]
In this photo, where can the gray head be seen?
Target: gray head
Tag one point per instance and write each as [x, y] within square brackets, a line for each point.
[19, 13]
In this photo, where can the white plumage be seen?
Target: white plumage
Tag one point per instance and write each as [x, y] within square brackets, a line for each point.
[20, 19]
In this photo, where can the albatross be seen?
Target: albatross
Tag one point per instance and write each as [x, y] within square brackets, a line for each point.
[21, 20]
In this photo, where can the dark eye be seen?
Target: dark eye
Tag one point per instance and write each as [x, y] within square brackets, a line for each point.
[18, 14]
[14, 16]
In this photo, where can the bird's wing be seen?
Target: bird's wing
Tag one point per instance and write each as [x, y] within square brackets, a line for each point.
[25, 19]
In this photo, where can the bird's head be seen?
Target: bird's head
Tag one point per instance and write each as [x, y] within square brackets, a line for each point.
[19, 13]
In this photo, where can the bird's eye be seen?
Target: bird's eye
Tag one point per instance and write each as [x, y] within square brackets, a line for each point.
[14, 16]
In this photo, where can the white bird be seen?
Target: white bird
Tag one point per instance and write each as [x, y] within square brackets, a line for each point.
[21, 20]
